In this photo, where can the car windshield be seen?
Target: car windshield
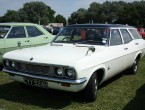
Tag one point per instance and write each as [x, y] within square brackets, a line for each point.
[86, 35]
[4, 30]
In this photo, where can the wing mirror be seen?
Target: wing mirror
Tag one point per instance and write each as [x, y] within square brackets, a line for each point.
[1, 36]
[91, 48]
[19, 44]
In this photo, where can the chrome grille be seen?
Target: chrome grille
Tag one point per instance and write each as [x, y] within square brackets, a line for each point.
[35, 69]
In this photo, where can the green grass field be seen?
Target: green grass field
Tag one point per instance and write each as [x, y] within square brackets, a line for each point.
[123, 92]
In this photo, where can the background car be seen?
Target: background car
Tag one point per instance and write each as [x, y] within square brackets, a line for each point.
[142, 32]
[22, 34]
[56, 30]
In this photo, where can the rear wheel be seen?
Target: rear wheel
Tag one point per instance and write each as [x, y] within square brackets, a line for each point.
[1, 67]
[90, 92]
[134, 68]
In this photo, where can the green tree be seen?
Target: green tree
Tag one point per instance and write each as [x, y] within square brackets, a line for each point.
[35, 12]
[10, 16]
[60, 19]
[78, 17]
[111, 12]
[94, 13]
[23, 16]
[38, 12]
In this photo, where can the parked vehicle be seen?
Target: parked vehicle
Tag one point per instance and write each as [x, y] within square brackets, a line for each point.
[56, 30]
[141, 31]
[13, 35]
[48, 29]
[80, 58]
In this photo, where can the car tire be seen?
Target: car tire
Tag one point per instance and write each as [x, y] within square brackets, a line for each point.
[134, 68]
[90, 92]
[1, 67]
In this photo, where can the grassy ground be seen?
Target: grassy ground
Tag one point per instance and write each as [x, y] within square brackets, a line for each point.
[123, 92]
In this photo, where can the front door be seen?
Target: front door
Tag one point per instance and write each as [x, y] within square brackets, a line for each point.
[15, 37]
[36, 36]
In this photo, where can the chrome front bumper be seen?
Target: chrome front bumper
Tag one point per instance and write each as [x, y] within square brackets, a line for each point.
[74, 82]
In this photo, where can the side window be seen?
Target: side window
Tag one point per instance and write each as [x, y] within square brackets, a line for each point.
[126, 36]
[33, 31]
[115, 37]
[17, 32]
[135, 34]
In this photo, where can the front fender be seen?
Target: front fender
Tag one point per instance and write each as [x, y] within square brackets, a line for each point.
[89, 71]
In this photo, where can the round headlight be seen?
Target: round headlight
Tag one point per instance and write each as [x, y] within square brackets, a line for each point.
[70, 74]
[59, 72]
[13, 64]
[7, 63]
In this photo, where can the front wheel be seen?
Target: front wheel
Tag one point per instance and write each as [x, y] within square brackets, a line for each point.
[90, 92]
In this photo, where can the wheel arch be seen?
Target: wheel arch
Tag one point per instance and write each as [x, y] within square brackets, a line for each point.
[138, 56]
[100, 73]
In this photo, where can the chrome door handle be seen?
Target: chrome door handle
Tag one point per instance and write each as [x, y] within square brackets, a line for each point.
[136, 43]
[27, 41]
[126, 48]
[45, 37]
[19, 43]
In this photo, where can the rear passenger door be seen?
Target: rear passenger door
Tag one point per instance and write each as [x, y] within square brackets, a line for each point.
[36, 36]
[16, 35]
[137, 38]
[130, 46]
[138, 41]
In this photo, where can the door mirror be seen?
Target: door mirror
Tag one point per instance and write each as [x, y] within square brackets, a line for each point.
[91, 48]
[19, 44]
[2, 36]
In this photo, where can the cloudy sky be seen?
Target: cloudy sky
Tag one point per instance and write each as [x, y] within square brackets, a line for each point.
[63, 7]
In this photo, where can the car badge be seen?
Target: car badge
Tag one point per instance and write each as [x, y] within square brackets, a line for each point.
[31, 58]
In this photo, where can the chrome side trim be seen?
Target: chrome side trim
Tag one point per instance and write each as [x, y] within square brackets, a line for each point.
[74, 82]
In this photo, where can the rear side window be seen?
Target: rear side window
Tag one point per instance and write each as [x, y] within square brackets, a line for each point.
[115, 37]
[135, 34]
[33, 31]
[126, 36]
[17, 32]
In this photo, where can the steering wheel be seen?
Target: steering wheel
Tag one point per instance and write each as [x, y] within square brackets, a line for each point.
[65, 38]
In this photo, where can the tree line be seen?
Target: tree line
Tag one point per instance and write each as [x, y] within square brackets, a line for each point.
[111, 12]
[34, 12]
[118, 12]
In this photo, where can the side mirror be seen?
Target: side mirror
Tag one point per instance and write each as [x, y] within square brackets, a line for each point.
[91, 48]
[19, 44]
[2, 36]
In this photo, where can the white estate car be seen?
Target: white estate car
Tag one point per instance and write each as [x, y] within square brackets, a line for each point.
[81, 57]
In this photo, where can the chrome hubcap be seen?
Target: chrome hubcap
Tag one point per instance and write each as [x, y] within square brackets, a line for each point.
[96, 86]
[135, 66]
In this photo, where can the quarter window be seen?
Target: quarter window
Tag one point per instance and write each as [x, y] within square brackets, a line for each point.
[115, 37]
[126, 36]
[135, 34]
[33, 31]
[17, 32]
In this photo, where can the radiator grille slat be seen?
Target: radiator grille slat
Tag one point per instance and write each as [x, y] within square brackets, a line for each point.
[35, 69]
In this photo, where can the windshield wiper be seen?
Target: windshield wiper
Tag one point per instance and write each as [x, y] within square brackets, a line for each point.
[80, 42]
[88, 42]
